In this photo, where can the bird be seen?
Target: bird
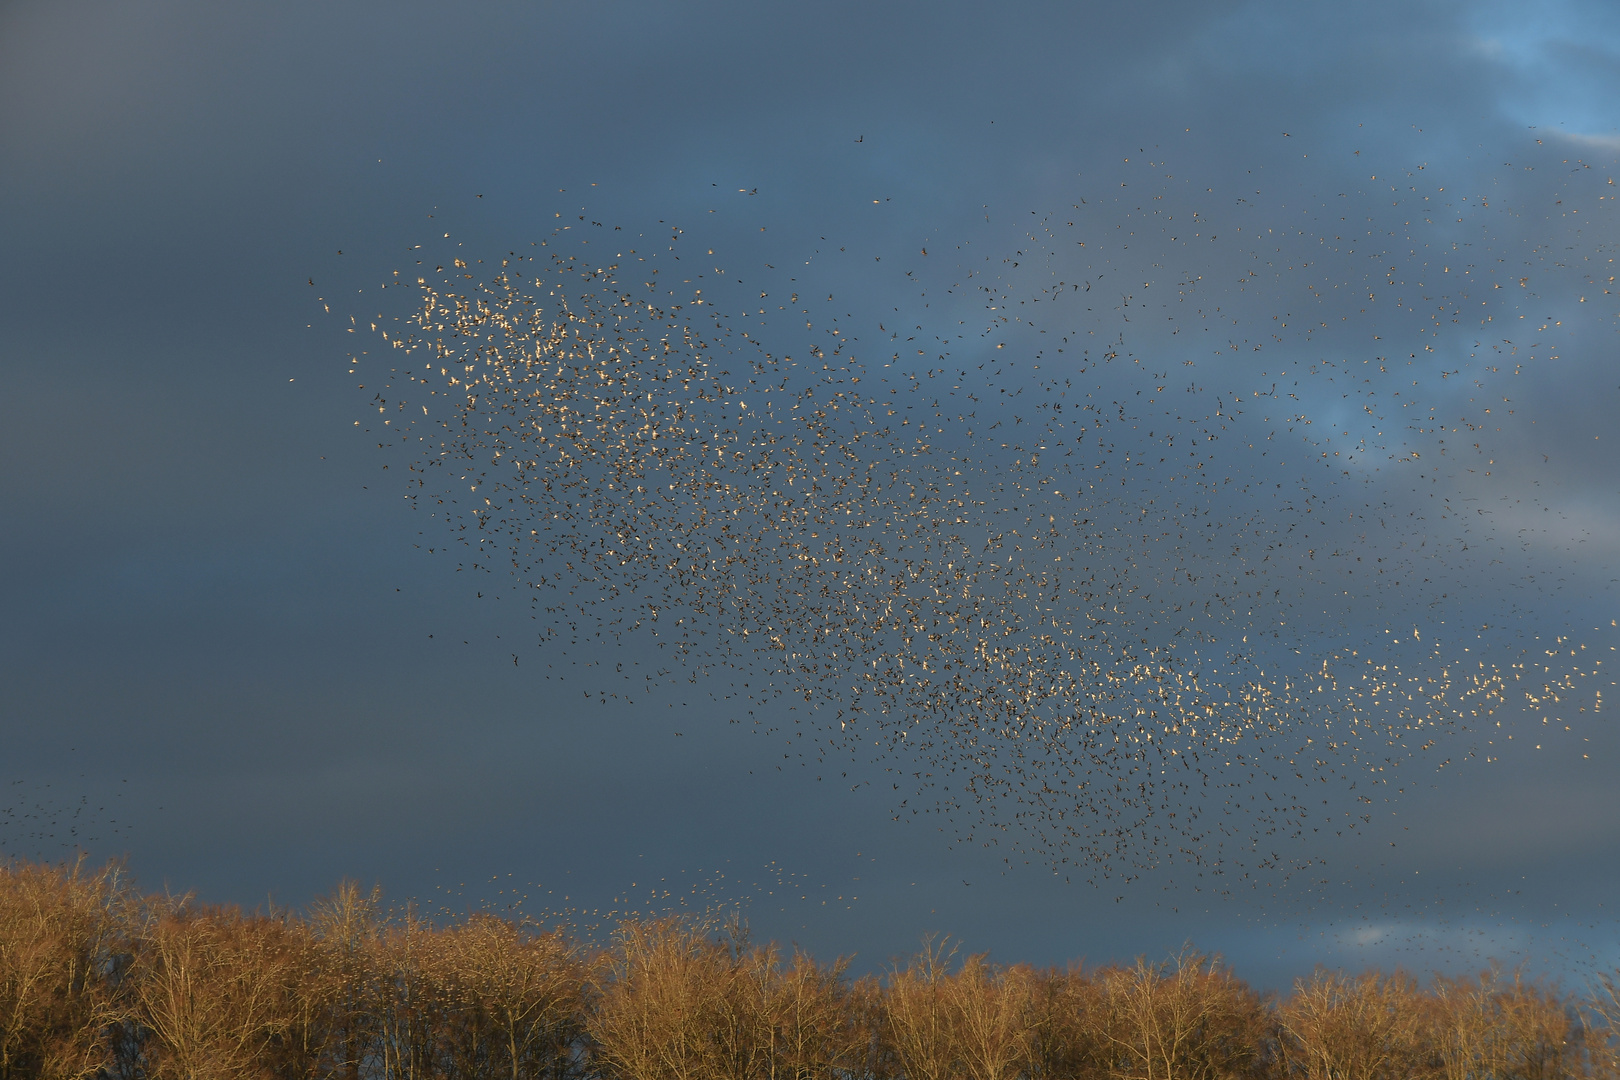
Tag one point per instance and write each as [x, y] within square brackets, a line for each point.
[1080, 592]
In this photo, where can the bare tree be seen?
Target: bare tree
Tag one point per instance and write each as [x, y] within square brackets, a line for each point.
[96, 982]
[1537, 1031]
[1336, 1027]
[816, 1022]
[1600, 1015]
[217, 992]
[992, 1014]
[62, 954]
[1067, 1029]
[517, 992]
[658, 999]
[1463, 1026]
[341, 1006]
[408, 1006]
[1185, 1019]
[918, 1029]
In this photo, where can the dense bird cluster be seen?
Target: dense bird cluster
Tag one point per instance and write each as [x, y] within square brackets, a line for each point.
[1093, 589]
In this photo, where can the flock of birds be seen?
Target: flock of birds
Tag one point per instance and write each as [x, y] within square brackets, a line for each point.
[1102, 564]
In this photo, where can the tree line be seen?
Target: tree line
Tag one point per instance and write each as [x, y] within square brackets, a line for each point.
[97, 980]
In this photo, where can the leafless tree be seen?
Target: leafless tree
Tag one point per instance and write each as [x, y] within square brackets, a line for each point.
[62, 955]
[1187, 1018]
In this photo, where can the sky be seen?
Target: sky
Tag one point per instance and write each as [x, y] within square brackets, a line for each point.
[229, 658]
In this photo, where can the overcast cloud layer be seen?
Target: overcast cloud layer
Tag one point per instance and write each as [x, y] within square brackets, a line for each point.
[226, 656]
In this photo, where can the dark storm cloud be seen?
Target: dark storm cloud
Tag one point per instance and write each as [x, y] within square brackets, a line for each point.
[203, 563]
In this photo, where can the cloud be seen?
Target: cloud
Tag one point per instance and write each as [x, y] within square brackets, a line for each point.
[1610, 143]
